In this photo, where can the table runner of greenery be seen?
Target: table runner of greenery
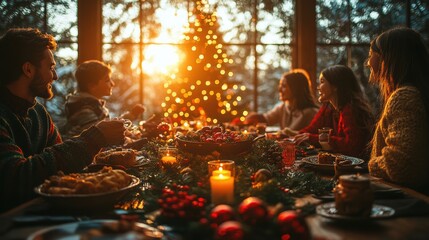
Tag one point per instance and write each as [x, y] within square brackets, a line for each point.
[189, 178]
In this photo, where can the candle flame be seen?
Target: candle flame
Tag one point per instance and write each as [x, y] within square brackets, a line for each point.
[220, 168]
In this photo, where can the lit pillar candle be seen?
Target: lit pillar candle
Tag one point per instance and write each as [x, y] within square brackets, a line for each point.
[222, 187]
[220, 171]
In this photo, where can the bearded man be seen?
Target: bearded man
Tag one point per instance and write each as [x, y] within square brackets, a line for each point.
[31, 149]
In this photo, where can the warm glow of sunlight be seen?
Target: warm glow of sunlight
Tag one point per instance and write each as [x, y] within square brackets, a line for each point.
[163, 58]
[160, 59]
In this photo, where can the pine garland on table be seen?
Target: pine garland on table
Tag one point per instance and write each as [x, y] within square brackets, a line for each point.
[191, 170]
[178, 195]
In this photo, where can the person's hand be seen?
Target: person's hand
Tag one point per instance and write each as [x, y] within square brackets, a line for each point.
[254, 118]
[113, 131]
[150, 126]
[137, 110]
[151, 123]
[137, 145]
[301, 137]
[134, 113]
[289, 132]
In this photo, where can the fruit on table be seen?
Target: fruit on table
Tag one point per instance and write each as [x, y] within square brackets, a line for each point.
[215, 134]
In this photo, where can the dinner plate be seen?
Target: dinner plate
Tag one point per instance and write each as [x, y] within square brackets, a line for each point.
[96, 229]
[378, 193]
[313, 162]
[328, 210]
[141, 161]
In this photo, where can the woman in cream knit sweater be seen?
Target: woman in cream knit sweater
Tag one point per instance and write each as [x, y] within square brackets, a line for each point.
[399, 64]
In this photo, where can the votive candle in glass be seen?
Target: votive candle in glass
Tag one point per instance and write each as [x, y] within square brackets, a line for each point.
[221, 174]
[168, 155]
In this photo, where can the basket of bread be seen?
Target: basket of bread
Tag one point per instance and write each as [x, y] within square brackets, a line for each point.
[87, 191]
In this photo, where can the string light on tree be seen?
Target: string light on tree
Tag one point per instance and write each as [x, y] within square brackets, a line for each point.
[203, 89]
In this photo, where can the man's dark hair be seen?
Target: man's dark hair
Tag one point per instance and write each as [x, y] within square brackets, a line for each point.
[21, 45]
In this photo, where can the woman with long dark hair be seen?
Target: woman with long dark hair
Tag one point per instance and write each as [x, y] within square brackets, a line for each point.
[399, 64]
[345, 111]
[297, 107]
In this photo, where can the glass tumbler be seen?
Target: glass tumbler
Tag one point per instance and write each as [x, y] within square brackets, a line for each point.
[324, 138]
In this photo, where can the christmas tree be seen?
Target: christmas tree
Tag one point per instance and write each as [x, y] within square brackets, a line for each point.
[203, 88]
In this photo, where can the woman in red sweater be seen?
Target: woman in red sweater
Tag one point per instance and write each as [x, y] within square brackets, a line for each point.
[345, 111]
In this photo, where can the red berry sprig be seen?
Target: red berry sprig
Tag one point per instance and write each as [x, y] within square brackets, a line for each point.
[176, 203]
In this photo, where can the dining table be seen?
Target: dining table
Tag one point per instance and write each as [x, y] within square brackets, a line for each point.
[410, 219]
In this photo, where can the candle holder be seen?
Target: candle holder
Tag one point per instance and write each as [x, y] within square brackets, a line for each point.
[221, 173]
[168, 155]
[221, 165]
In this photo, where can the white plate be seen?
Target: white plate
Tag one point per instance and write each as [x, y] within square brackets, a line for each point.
[84, 229]
[328, 210]
[313, 161]
[272, 129]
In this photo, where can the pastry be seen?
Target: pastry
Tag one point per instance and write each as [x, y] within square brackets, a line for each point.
[326, 158]
[105, 180]
[117, 156]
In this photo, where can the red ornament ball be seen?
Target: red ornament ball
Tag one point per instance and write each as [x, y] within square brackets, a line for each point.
[253, 210]
[292, 225]
[230, 230]
[222, 213]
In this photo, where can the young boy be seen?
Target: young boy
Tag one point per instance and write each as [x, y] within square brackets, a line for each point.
[86, 107]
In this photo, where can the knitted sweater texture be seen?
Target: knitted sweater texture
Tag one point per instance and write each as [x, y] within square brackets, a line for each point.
[348, 137]
[31, 149]
[83, 110]
[400, 152]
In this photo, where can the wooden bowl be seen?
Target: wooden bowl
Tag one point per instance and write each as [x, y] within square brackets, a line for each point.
[225, 149]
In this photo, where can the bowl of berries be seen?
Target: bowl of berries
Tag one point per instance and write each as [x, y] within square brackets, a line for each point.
[211, 139]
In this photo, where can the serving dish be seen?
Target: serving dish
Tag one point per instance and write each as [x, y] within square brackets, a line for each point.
[225, 148]
[328, 210]
[313, 162]
[97, 229]
[87, 202]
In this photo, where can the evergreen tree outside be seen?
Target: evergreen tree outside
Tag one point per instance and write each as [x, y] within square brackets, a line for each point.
[202, 89]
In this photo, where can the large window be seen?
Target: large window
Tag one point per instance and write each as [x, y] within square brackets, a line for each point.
[58, 18]
[142, 38]
[346, 28]
[256, 35]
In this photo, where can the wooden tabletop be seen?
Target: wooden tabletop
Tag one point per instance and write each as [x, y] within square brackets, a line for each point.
[406, 227]
[397, 227]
